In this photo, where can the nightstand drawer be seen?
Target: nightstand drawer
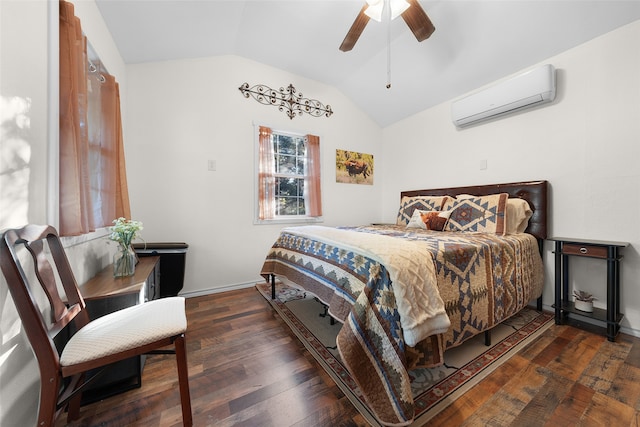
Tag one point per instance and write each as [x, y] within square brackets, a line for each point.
[585, 250]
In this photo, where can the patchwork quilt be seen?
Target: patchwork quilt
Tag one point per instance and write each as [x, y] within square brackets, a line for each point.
[405, 295]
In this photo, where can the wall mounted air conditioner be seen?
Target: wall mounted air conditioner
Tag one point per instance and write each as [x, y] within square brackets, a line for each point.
[537, 86]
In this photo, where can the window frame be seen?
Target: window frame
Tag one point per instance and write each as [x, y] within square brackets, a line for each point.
[279, 219]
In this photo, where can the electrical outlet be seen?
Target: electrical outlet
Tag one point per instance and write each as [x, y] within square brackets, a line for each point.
[211, 165]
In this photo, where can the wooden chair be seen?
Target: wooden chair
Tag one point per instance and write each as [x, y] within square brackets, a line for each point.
[133, 331]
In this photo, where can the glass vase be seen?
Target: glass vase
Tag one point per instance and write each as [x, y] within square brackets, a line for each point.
[124, 262]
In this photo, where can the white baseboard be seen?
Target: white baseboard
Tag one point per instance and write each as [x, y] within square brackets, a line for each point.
[629, 331]
[226, 288]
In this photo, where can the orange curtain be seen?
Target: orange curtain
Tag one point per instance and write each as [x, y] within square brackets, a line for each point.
[113, 198]
[93, 184]
[313, 191]
[76, 215]
[266, 179]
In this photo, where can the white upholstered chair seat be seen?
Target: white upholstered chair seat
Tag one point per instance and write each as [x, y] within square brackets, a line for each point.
[126, 329]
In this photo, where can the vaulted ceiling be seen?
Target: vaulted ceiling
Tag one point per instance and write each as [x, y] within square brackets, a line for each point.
[475, 42]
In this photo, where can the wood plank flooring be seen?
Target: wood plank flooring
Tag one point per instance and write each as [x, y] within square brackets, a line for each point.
[247, 369]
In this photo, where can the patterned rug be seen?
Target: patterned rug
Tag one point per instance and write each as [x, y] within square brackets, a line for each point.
[433, 389]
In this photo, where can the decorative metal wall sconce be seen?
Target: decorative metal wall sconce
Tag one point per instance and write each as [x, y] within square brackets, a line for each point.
[286, 100]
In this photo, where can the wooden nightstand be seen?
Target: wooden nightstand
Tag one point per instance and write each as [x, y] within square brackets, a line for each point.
[105, 294]
[594, 249]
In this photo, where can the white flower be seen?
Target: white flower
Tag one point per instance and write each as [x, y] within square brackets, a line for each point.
[124, 231]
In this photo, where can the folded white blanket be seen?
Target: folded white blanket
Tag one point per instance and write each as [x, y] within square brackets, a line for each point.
[411, 270]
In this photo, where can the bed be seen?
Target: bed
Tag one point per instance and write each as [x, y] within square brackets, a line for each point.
[456, 262]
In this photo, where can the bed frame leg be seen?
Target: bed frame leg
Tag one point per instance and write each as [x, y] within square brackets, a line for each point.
[541, 249]
[273, 286]
[332, 321]
[487, 337]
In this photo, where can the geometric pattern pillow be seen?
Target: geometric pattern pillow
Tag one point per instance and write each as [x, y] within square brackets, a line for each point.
[485, 214]
[423, 203]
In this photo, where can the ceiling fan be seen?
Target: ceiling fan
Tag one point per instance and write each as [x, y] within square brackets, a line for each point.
[410, 10]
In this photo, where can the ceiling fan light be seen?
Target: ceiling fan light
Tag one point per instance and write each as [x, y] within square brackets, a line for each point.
[398, 7]
[376, 8]
[374, 11]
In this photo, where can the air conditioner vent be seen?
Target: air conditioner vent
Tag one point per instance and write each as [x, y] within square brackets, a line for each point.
[526, 90]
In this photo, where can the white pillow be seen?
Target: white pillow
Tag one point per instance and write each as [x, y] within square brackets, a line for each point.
[518, 214]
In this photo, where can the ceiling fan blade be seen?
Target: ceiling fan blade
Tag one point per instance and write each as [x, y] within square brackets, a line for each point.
[418, 21]
[356, 29]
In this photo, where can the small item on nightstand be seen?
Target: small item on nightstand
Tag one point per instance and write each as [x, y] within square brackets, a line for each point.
[124, 262]
[123, 232]
[584, 301]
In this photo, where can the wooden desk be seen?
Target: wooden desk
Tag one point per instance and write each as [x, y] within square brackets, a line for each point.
[143, 282]
[105, 294]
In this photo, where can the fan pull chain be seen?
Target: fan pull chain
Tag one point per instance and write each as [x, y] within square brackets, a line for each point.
[389, 47]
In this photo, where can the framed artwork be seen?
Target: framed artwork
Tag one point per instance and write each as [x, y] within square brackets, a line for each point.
[354, 168]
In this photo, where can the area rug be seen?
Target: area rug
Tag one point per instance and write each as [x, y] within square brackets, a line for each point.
[433, 389]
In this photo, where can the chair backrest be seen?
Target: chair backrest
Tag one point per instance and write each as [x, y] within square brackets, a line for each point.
[25, 257]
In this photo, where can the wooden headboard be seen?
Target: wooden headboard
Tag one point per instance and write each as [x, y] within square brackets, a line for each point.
[534, 192]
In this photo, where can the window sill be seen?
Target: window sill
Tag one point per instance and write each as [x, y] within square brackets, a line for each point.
[70, 241]
[291, 220]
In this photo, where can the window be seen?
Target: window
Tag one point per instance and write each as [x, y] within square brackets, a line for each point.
[288, 177]
[290, 158]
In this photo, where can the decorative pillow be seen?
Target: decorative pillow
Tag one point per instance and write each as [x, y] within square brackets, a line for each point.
[482, 213]
[416, 220]
[518, 214]
[429, 220]
[435, 220]
[425, 203]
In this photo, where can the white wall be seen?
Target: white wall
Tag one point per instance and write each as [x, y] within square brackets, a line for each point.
[586, 144]
[23, 192]
[183, 113]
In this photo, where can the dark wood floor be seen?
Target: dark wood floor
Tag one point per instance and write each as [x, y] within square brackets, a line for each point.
[247, 369]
